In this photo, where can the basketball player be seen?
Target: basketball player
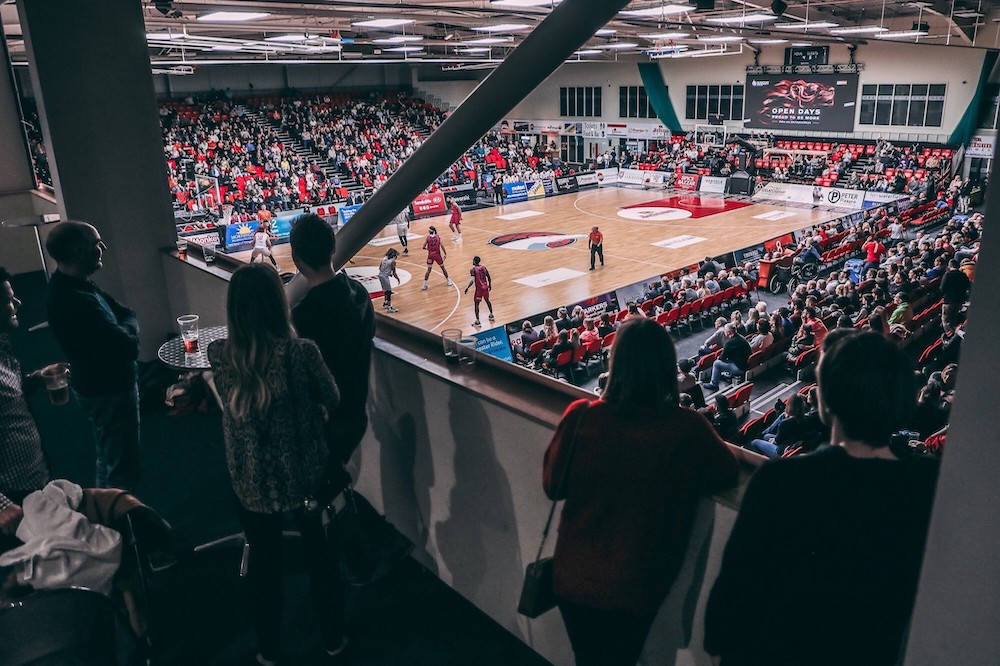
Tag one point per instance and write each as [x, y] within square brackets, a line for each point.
[436, 254]
[595, 241]
[386, 270]
[455, 223]
[262, 246]
[402, 221]
[479, 276]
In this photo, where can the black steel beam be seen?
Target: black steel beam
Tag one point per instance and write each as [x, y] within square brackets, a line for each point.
[565, 30]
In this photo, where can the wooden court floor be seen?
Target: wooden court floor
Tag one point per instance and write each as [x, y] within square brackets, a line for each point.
[529, 281]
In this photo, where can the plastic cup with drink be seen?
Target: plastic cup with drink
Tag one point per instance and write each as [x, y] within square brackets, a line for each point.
[449, 340]
[56, 378]
[189, 332]
[182, 248]
[210, 251]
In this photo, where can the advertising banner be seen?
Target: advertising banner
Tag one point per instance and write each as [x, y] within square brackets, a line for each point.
[653, 178]
[514, 192]
[632, 292]
[464, 194]
[772, 192]
[592, 130]
[640, 131]
[754, 253]
[616, 129]
[873, 199]
[239, 236]
[595, 306]
[566, 184]
[429, 204]
[715, 184]
[591, 179]
[686, 181]
[281, 224]
[980, 145]
[550, 187]
[604, 177]
[802, 101]
[494, 342]
[631, 176]
[347, 212]
[536, 189]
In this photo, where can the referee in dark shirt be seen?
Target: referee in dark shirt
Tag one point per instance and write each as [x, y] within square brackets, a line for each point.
[100, 338]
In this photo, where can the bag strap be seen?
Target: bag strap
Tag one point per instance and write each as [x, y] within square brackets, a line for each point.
[562, 484]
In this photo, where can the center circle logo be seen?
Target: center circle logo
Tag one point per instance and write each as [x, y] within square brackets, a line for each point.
[368, 277]
[833, 196]
[654, 213]
[534, 240]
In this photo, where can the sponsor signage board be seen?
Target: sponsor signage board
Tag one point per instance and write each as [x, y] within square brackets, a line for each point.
[590, 179]
[347, 212]
[604, 177]
[565, 184]
[516, 191]
[980, 145]
[686, 181]
[494, 342]
[535, 188]
[716, 184]
[431, 203]
[631, 176]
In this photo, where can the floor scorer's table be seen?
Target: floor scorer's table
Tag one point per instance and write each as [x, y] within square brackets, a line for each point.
[171, 352]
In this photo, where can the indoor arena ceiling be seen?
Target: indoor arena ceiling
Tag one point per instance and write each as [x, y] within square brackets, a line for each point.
[471, 33]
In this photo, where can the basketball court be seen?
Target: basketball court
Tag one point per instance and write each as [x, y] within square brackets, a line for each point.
[536, 251]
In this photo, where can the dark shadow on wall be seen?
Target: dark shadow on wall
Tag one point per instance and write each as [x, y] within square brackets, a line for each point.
[398, 416]
[479, 541]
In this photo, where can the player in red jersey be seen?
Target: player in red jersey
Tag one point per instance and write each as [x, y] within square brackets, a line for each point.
[479, 276]
[455, 223]
[436, 254]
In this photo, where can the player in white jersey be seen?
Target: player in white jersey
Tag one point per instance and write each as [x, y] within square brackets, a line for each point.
[402, 221]
[386, 270]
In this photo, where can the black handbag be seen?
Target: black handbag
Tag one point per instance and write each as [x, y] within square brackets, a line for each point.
[370, 546]
[537, 594]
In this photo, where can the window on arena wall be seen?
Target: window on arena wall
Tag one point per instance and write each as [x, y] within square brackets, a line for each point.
[580, 101]
[634, 103]
[705, 100]
[903, 104]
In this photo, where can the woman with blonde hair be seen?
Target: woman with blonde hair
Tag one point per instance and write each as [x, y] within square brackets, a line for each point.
[549, 328]
[276, 394]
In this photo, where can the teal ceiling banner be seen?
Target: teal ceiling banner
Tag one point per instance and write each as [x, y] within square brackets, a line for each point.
[656, 90]
[970, 120]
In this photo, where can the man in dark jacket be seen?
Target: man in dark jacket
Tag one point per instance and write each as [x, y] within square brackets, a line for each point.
[100, 338]
[735, 355]
[954, 291]
[336, 313]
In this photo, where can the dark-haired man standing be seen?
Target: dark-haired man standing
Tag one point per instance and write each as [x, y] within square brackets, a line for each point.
[337, 314]
[100, 338]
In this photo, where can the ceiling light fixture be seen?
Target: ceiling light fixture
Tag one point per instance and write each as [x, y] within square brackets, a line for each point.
[233, 16]
[502, 27]
[398, 39]
[587, 52]
[489, 40]
[858, 30]
[287, 38]
[667, 35]
[604, 32]
[652, 12]
[805, 25]
[617, 46]
[406, 49]
[741, 19]
[767, 41]
[475, 49]
[524, 3]
[720, 39]
[383, 23]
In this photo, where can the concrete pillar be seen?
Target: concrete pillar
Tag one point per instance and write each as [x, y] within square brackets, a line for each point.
[958, 602]
[91, 75]
[17, 174]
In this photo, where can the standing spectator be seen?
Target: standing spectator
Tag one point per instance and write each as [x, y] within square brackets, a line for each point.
[337, 314]
[22, 465]
[100, 338]
[848, 525]
[874, 252]
[480, 277]
[614, 564]
[275, 392]
[954, 291]
[595, 241]
[733, 360]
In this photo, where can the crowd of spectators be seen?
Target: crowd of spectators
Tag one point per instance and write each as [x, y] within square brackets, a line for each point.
[215, 139]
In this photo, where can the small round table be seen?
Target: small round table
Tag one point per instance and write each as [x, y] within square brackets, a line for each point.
[171, 352]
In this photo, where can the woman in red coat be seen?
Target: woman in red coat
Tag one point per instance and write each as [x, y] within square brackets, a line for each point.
[639, 465]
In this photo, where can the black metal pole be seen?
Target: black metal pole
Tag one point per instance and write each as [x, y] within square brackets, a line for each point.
[565, 30]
